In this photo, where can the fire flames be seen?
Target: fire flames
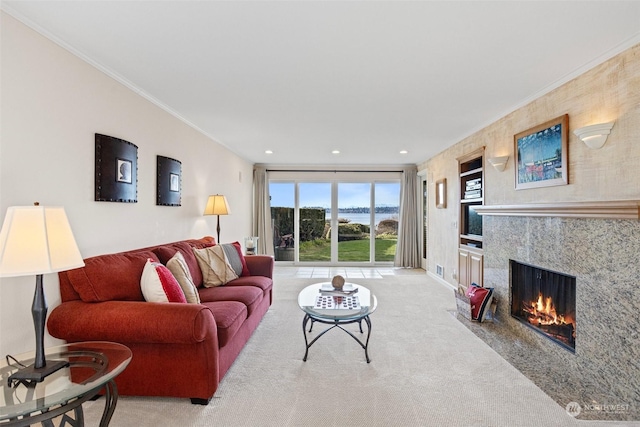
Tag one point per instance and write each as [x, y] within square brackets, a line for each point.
[543, 312]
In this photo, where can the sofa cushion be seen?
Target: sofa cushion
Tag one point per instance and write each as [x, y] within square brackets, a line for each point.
[178, 267]
[110, 277]
[159, 285]
[229, 317]
[215, 267]
[166, 252]
[248, 295]
[264, 283]
[204, 242]
[233, 251]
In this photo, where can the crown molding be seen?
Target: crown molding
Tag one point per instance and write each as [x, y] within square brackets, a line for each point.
[105, 70]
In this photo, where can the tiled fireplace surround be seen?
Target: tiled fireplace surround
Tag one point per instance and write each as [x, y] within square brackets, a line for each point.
[603, 375]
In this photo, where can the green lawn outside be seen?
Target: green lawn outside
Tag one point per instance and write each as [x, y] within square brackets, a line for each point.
[348, 251]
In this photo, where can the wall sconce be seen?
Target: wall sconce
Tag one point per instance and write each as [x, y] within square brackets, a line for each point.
[594, 136]
[500, 163]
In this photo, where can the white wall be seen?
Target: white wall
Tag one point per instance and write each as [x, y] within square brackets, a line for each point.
[607, 92]
[52, 104]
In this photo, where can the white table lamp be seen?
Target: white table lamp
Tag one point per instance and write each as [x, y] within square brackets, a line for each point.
[37, 240]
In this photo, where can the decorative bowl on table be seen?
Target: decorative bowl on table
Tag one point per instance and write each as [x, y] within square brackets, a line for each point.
[337, 282]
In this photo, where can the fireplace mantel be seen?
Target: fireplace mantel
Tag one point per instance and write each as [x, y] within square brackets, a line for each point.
[616, 209]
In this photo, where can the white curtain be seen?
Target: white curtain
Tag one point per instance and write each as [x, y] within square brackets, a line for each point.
[408, 252]
[262, 211]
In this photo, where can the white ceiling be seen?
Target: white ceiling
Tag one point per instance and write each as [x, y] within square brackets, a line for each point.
[368, 78]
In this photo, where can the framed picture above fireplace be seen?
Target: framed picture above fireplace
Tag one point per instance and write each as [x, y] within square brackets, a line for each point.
[541, 154]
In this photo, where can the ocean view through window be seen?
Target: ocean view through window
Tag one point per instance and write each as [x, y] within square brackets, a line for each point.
[335, 222]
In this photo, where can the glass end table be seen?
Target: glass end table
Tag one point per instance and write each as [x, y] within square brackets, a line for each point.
[337, 310]
[92, 366]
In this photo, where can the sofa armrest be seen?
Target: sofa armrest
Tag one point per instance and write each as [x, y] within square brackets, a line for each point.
[260, 265]
[132, 322]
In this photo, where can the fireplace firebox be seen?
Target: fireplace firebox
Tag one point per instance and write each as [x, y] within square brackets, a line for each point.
[545, 301]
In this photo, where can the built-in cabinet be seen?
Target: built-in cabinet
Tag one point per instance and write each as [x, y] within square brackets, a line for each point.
[470, 264]
[471, 196]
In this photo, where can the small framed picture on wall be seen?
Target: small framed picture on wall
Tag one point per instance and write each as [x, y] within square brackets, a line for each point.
[116, 170]
[441, 193]
[169, 182]
[124, 171]
[175, 182]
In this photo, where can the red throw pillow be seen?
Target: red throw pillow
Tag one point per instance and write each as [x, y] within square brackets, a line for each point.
[479, 298]
[159, 285]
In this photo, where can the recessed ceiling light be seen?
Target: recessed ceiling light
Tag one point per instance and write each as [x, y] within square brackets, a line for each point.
[335, 152]
[403, 151]
[268, 152]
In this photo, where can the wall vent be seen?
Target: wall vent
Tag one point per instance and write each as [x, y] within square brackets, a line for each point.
[439, 270]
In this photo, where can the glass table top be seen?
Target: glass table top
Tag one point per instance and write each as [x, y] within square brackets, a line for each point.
[92, 364]
[340, 311]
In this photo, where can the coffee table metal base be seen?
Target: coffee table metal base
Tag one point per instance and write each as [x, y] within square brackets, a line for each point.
[336, 323]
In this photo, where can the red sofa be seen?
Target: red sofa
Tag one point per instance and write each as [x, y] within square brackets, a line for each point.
[179, 350]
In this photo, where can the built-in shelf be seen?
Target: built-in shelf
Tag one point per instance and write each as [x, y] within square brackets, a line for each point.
[615, 209]
[471, 237]
[478, 200]
[470, 198]
[471, 172]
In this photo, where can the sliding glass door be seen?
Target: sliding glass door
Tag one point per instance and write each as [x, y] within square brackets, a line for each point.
[354, 218]
[387, 210]
[339, 221]
[282, 198]
[313, 203]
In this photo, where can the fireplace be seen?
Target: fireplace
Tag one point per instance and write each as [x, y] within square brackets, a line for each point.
[545, 301]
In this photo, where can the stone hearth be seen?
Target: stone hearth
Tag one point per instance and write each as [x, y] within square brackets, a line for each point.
[603, 375]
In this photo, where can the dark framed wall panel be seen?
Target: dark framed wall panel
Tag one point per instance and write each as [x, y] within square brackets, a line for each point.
[169, 182]
[116, 170]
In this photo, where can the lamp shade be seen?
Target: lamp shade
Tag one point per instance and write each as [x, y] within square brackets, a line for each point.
[37, 240]
[217, 205]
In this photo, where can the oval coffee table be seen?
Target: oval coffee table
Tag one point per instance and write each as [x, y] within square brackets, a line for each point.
[336, 310]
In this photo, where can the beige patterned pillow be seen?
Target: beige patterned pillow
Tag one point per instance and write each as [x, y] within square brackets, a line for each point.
[215, 267]
[178, 267]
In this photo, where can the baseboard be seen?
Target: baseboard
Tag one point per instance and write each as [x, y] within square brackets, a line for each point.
[441, 280]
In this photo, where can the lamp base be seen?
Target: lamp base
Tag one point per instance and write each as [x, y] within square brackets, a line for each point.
[30, 375]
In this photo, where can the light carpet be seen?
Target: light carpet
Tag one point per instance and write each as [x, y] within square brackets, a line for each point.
[426, 369]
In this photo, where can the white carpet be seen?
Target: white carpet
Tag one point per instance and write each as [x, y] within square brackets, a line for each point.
[426, 369]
